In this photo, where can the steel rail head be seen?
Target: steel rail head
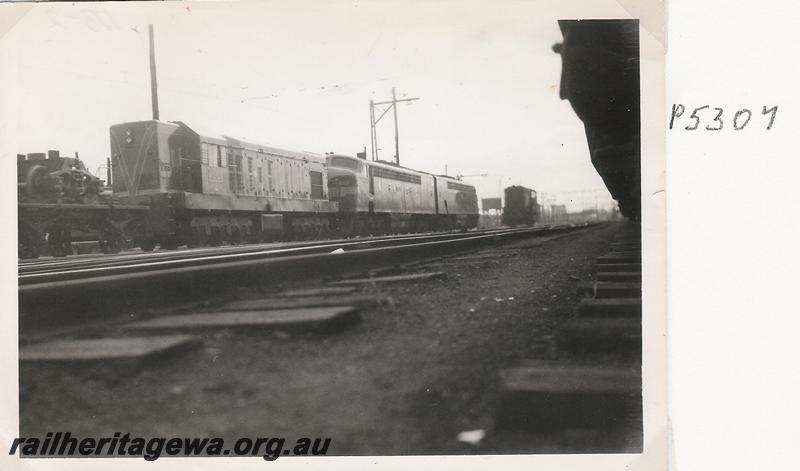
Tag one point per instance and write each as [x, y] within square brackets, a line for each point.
[141, 262]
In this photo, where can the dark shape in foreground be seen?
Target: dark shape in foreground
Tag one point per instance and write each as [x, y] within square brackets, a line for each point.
[600, 78]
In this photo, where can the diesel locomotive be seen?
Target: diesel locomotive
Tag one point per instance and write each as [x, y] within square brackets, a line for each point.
[377, 197]
[211, 189]
[521, 206]
[206, 189]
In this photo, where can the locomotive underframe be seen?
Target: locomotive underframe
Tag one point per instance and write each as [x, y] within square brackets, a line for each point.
[182, 218]
[366, 223]
[177, 219]
[45, 228]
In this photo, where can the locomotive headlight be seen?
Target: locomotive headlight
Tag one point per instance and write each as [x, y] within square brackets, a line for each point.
[129, 136]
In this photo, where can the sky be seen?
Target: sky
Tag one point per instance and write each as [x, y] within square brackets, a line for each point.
[300, 76]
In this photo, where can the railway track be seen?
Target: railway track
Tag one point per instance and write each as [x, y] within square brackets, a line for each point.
[343, 333]
[29, 268]
[592, 380]
[63, 291]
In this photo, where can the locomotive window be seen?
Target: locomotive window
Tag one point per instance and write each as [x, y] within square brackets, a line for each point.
[270, 183]
[380, 172]
[204, 153]
[213, 155]
[285, 178]
[345, 162]
[316, 185]
[459, 187]
[290, 172]
[220, 157]
[342, 181]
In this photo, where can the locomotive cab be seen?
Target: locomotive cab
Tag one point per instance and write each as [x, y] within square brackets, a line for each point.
[349, 184]
[153, 157]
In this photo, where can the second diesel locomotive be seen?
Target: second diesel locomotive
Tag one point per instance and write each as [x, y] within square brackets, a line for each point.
[377, 197]
[205, 189]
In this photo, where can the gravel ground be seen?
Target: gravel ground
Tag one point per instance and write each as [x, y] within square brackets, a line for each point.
[414, 373]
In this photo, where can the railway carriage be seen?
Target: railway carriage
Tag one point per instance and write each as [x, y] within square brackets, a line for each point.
[209, 189]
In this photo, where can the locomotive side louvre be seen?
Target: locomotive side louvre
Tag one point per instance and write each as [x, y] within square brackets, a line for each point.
[240, 168]
[209, 189]
[402, 191]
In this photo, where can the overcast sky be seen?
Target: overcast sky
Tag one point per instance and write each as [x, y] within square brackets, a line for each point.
[300, 76]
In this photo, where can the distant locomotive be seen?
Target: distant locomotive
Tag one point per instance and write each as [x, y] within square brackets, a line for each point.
[377, 197]
[521, 206]
[206, 190]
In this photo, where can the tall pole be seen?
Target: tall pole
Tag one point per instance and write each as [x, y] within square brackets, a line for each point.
[373, 121]
[372, 147]
[396, 135]
[153, 83]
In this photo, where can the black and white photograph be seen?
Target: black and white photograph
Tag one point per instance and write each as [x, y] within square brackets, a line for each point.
[290, 230]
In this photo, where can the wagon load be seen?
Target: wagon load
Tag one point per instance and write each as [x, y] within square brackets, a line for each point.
[59, 201]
